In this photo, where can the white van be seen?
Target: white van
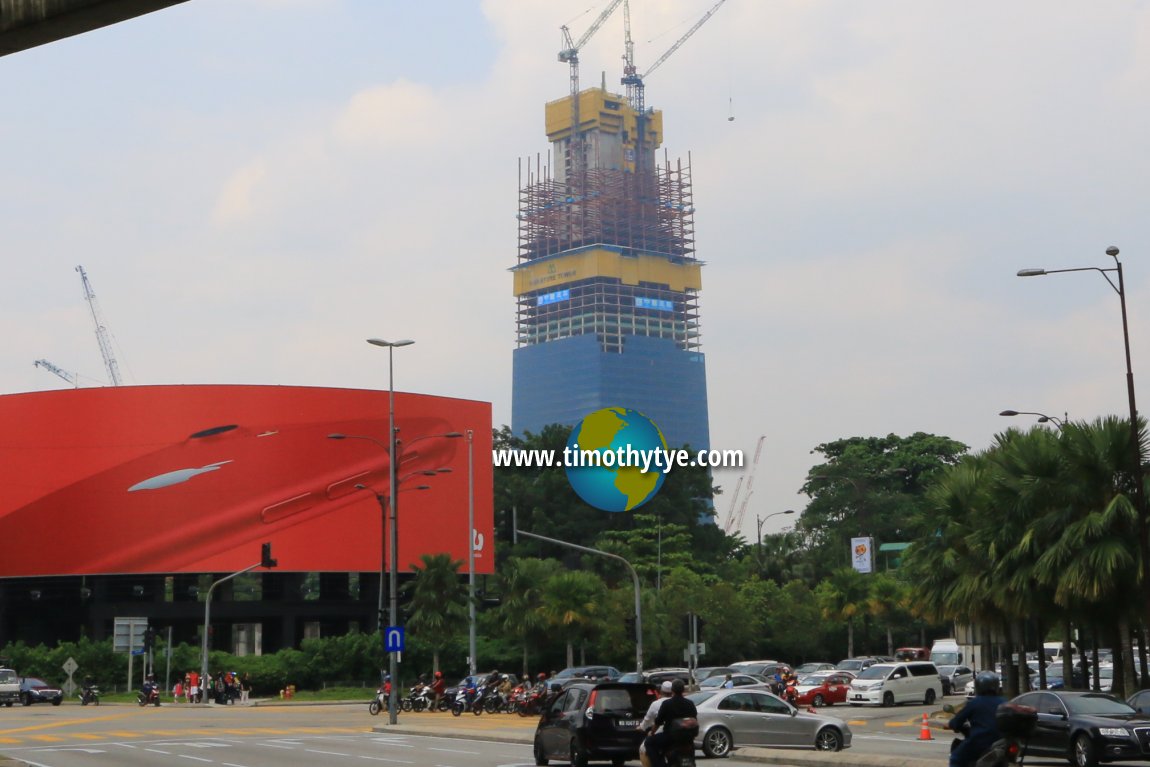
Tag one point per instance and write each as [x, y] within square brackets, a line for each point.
[886, 684]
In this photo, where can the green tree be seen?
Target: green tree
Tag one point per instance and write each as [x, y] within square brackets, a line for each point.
[521, 609]
[843, 597]
[438, 602]
[572, 604]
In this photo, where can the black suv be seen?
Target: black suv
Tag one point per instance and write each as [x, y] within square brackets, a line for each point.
[593, 721]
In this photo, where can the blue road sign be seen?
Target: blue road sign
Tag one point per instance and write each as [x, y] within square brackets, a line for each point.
[394, 639]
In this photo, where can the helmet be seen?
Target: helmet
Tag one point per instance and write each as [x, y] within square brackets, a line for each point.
[986, 683]
[541, 676]
[504, 677]
[438, 674]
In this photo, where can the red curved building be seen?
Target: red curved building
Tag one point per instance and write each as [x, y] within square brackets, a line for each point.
[109, 489]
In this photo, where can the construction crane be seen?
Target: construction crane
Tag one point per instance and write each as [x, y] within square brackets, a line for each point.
[570, 55]
[101, 331]
[71, 378]
[634, 81]
[735, 518]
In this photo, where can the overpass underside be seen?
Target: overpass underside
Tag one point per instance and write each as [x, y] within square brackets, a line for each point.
[28, 23]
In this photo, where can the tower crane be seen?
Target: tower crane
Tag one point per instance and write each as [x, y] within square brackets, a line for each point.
[71, 378]
[735, 519]
[101, 331]
[570, 55]
[634, 81]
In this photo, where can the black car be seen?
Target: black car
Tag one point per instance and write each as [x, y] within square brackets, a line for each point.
[588, 672]
[33, 690]
[593, 721]
[1086, 727]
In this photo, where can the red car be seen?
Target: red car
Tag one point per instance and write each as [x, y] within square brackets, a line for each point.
[824, 688]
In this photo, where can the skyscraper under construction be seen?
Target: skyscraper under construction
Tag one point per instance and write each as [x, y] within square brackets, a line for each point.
[607, 282]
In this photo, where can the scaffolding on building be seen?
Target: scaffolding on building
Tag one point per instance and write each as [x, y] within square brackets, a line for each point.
[631, 214]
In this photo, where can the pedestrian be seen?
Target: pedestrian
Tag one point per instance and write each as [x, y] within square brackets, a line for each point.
[194, 686]
[245, 687]
[728, 683]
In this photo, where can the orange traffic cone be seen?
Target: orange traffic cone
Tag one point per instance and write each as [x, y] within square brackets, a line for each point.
[924, 733]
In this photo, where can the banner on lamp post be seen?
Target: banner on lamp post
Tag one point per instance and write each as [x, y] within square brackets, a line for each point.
[861, 549]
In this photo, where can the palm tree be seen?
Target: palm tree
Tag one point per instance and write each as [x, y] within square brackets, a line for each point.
[521, 609]
[842, 597]
[571, 603]
[438, 602]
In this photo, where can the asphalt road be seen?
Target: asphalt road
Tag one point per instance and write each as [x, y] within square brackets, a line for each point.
[286, 735]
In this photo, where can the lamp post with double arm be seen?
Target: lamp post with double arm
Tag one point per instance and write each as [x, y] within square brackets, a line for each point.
[1137, 490]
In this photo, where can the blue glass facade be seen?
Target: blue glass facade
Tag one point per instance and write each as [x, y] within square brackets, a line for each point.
[562, 381]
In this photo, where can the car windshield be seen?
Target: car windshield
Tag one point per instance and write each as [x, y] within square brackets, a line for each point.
[1106, 673]
[633, 676]
[699, 698]
[1094, 703]
[814, 679]
[850, 665]
[873, 672]
[32, 681]
[946, 670]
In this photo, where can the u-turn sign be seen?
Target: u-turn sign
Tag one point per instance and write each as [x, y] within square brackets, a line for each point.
[393, 639]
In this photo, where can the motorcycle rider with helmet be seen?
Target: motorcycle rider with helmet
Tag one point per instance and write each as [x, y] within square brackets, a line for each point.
[979, 714]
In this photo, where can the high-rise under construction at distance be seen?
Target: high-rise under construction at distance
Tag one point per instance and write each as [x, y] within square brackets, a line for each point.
[607, 281]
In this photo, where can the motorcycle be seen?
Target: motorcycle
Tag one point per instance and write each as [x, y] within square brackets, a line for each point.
[465, 701]
[148, 696]
[1016, 724]
[378, 703]
[418, 698]
[90, 694]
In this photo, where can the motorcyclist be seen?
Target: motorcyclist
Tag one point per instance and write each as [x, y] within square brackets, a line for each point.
[150, 689]
[670, 717]
[437, 687]
[979, 714]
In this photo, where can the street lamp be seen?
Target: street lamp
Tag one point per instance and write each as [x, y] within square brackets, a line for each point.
[1042, 417]
[1135, 443]
[393, 593]
[759, 530]
[470, 436]
[389, 555]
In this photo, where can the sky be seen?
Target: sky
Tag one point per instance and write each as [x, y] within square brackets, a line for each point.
[255, 187]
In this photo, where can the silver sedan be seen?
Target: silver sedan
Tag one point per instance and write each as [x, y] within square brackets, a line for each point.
[751, 717]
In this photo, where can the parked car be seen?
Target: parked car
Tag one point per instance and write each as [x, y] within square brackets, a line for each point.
[657, 676]
[1140, 702]
[593, 721]
[1086, 727]
[704, 672]
[888, 684]
[855, 664]
[589, 672]
[824, 688]
[746, 717]
[33, 690]
[954, 678]
[912, 653]
[737, 680]
[766, 668]
[813, 667]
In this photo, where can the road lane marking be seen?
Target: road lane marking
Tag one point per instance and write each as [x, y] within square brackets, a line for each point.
[197, 758]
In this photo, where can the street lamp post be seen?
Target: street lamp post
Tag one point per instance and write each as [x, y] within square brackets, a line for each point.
[1059, 423]
[470, 435]
[1135, 443]
[393, 574]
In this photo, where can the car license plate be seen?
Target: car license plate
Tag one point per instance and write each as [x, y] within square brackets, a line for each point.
[858, 697]
[627, 723]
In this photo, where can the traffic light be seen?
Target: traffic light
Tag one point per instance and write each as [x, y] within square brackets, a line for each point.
[629, 623]
[699, 623]
[266, 556]
[149, 638]
[687, 626]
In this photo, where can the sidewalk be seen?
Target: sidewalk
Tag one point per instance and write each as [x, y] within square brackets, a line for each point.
[512, 729]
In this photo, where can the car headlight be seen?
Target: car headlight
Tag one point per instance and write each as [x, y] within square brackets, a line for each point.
[1114, 732]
